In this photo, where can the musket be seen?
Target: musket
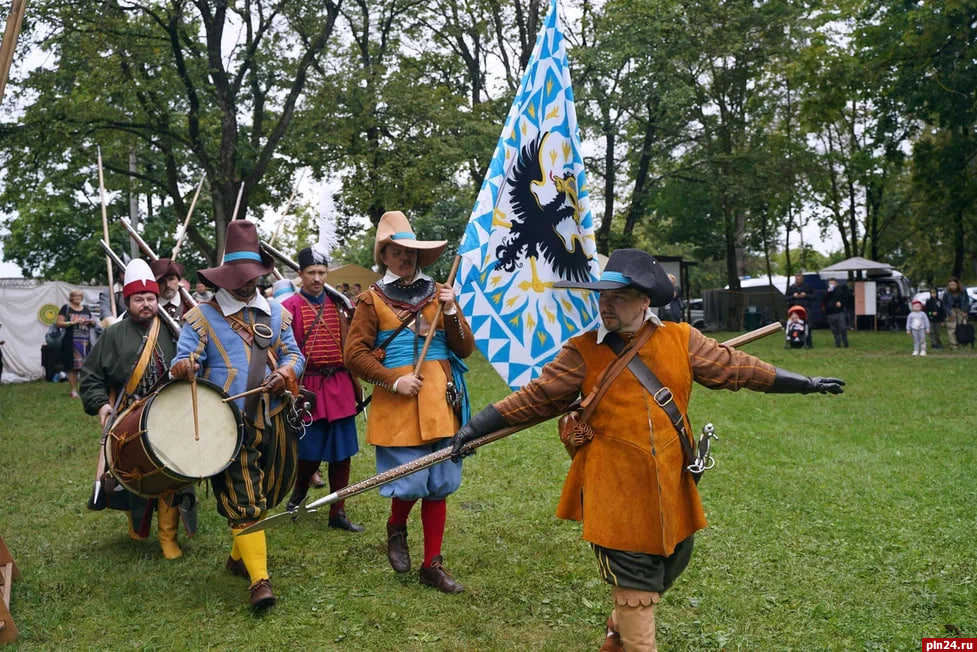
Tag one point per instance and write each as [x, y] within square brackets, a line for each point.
[148, 251]
[164, 316]
[437, 457]
[285, 260]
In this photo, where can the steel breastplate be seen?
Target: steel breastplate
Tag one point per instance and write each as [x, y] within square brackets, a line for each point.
[411, 297]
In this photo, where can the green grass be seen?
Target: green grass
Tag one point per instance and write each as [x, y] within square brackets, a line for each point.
[836, 523]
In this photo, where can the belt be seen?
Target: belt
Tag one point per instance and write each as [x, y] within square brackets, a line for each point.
[325, 371]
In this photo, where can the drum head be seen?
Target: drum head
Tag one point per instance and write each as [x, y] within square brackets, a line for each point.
[170, 433]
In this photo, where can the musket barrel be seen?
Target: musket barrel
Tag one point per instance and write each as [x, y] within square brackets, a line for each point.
[146, 249]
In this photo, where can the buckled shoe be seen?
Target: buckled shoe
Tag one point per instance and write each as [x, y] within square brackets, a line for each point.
[437, 576]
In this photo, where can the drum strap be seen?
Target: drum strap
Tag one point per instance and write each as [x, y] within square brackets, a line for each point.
[144, 357]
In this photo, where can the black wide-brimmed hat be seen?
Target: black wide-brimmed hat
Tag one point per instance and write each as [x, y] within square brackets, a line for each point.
[631, 268]
[243, 259]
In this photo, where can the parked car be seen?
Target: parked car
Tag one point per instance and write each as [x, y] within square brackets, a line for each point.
[696, 313]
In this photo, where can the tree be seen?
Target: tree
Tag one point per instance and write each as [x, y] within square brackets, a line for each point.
[187, 85]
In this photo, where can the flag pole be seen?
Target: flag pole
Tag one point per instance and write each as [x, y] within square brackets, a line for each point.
[437, 317]
[105, 232]
[186, 222]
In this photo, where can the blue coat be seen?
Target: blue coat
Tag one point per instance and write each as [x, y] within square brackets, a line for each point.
[223, 355]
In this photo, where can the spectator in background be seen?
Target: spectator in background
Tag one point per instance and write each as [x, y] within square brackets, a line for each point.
[201, 293]
[834, 307]
[1, 357]
[956, 303]
[934, 312]
[355, 290]
[918, 326]
[800, 293]
[77, 319]
[676, 307]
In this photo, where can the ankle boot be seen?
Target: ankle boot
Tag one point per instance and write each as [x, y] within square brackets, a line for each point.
[167, 523]
[133, 534]
[397, 552]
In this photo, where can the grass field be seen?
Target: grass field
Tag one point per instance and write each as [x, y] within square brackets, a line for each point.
[836, 523]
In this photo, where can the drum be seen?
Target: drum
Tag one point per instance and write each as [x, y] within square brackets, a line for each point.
[151, 449]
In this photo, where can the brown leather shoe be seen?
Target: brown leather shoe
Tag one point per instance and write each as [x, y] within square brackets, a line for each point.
[397, 551]
[316, 481]
[261, 595]
[237, 567]
[437, 576]
[341, 522]
[612, 642]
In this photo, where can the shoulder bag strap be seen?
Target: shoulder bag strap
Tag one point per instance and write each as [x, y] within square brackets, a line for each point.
[144, 357]
[625, 354]
[660, 394]
[260, 341]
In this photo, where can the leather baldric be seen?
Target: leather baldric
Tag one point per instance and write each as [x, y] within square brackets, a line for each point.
[145, 356]
[259, 337]
[660, 394]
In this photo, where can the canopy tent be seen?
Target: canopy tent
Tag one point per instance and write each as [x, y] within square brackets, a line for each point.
[856, 264]
[27, 308]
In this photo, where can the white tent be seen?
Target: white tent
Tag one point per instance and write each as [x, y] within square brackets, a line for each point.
[27, 308]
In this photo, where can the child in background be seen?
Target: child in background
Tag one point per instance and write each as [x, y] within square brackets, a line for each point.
[796, 328]
[918, 325]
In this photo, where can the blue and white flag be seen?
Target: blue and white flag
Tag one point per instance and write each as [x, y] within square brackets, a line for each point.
[531, 226]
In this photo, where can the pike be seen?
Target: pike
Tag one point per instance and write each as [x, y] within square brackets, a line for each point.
[105, 232]
[186, 222]
[445, 454]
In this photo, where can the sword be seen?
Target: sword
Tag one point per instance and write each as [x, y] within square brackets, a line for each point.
[703, 460]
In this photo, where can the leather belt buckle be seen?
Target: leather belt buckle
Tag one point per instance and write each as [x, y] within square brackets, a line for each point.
[666, 397]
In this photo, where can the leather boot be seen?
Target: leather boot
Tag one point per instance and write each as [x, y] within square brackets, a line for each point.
[612, 642]
[437, 575]
[635, 614]
[397, 551]
[133, 534]
[298, 495]
[167, 523]
[261, 595]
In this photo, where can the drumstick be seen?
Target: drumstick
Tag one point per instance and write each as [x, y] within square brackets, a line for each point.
[256, 390]
[193, 400]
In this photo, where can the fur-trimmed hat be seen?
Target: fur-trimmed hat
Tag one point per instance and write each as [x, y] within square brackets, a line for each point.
[631, 268]
[138, 278]
[243, 259]
[394, 227]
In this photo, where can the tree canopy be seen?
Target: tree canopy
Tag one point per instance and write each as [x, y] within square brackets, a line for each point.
[716, 129]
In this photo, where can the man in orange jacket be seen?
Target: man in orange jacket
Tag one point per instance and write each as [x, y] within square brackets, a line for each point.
[643, 507]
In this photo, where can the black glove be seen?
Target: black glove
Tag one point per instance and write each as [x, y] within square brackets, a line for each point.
[787, 382]
[485, 422]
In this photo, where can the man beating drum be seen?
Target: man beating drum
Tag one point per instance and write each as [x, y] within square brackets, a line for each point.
[120, 362]
[242, 341]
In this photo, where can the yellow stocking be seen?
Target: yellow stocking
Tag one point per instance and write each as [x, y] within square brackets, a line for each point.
[167, 524]
[254, 551]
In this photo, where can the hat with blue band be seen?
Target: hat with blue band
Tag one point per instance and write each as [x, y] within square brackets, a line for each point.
[243, 259]
[393, 227]
[630, 268]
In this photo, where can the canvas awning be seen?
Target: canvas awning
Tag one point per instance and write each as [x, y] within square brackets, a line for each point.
[856, 264]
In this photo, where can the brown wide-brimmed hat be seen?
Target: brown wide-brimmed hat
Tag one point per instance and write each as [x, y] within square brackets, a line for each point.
[243, 259]
[163, 267]
[394, 227]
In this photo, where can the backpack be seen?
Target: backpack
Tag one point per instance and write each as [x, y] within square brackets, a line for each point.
[54, 337]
